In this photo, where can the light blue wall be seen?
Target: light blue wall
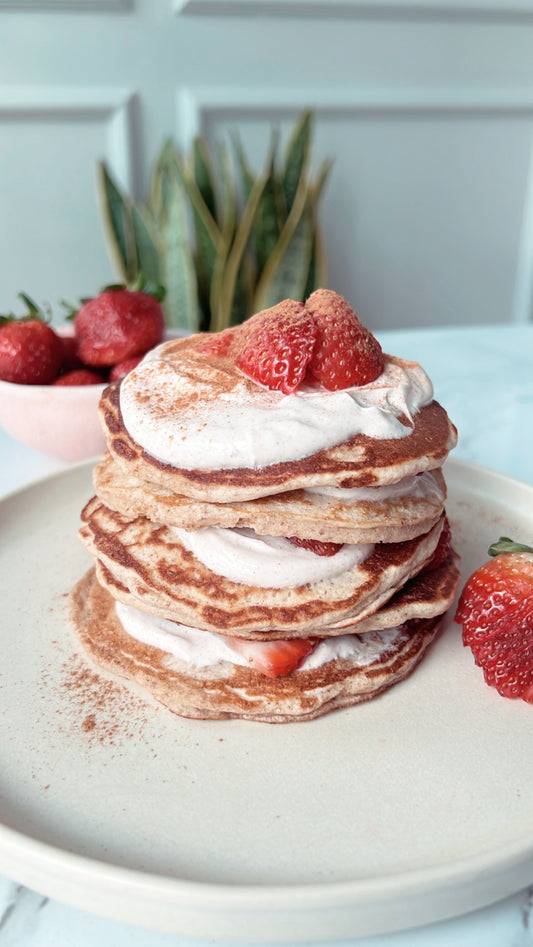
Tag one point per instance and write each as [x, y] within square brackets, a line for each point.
[426, 108]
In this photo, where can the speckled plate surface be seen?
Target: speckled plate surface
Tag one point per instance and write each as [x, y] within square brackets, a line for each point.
[412, 808]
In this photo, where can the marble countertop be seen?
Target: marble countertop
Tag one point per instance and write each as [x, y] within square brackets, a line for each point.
[484, 378]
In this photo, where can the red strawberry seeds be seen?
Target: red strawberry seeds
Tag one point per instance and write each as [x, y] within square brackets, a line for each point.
[346, 353]
[321, 342]
[496, 611]
[276, 346]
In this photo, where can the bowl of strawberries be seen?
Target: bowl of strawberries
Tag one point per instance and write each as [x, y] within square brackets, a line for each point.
[51, 378]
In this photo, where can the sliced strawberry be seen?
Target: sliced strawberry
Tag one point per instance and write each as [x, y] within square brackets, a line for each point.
[346, 353]
[273, 658]
[79, 376]
[318, 546]
[496, 612]
[217, 343]
[277, 345]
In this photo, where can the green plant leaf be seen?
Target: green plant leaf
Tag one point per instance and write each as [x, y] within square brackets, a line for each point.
[179, 273]
[247, 178]
[297, 158]
[229, 209]
[223, 315]
[161, 181]
[222, 241]
[202, 174]
[268, 220]
[118, 228]
[229, 219]
[148, 244]
[318, 264]
[207, 237]
[286, 273]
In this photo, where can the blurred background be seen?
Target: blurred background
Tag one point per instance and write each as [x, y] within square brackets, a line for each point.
[425, 108]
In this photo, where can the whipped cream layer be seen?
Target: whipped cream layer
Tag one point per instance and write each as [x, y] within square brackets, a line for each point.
[424, 486]
[266, 562]
[199, 412]
[205, 649]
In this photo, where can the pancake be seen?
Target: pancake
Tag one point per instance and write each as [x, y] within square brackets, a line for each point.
[361, 461]
[426, 595]
[307, 514]
[231, 691]
[147, 565]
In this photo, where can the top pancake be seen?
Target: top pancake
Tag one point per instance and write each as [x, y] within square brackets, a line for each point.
[360, 461]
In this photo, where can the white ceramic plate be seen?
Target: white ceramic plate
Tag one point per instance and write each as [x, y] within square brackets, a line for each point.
[406, 810]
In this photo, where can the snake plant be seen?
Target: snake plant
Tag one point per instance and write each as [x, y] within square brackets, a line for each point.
[223, 242]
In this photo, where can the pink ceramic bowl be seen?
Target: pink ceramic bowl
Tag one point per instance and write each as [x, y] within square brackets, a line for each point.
[60, 421]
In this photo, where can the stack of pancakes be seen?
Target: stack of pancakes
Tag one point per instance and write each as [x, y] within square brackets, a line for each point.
[202, 573]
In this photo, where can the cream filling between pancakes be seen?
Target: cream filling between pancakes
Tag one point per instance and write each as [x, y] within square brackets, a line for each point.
[207, 649]
[194, 412]
[266, 562]
[424, 486]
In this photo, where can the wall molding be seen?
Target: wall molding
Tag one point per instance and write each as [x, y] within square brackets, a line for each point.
[66, 6]
[113, 107]
[519, 10]
[194, 106]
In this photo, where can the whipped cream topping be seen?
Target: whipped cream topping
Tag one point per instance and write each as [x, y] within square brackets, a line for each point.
[196, 412]
[424, 486]
[206, 649]
[266, 562]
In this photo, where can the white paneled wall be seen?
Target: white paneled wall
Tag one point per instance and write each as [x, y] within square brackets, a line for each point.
[426, 108]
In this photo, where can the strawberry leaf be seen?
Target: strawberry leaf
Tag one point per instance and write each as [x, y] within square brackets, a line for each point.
[505, 544]
[35, 312]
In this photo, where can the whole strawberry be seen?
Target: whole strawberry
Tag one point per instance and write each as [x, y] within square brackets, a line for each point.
[78, 376]
[496, 611]
[118, 324]
[121, 369]
[30, 351]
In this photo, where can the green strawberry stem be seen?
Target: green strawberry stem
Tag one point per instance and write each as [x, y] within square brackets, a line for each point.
[40, 313]
[505, 544]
